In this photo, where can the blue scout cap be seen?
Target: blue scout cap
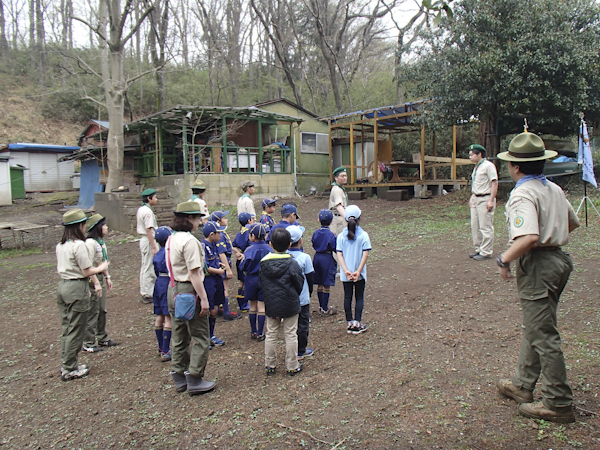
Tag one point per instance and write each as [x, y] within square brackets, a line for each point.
[325, 216]
[211, 227]
[162, 234]
[295, 233]
[268, 202]
[353, 211]
[258, 230]
[148, 192]
[218, 215]
[288, 209]
[244, 218]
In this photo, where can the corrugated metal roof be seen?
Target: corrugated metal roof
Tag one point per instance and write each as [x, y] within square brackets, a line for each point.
[102, 123]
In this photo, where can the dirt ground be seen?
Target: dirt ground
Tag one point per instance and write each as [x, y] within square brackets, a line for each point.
[442, 330]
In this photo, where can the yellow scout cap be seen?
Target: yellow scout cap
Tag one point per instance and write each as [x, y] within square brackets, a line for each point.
[73, 216]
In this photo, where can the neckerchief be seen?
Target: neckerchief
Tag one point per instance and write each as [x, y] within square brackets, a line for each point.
[477, 167]
[342, 188]
[541, 178]
[194, 197]
[103, 247]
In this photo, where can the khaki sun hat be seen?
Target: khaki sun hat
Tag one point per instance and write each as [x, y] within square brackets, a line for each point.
[199, 184]
[526, 147]
[93, 221]
[188, 208]
[74, 216]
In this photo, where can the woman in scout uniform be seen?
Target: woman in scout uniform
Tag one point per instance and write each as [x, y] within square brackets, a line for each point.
[540, 219]
[74, 265]
[146, 226]
[96, 320]
[185, 261]
[338, 200]
[198, 189]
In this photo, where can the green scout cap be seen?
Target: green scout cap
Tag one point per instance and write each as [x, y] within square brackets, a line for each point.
[527, 147]
[339, 170]
[148, 192]
[477, 147]
[188, 208]
[199, 184]
[73, 216]
[93, 221]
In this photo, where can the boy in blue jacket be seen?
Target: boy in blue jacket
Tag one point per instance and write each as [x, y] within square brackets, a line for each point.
[240, 243]
[162, 322]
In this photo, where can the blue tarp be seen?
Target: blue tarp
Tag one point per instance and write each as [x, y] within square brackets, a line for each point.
[43, 147]
[89, 183]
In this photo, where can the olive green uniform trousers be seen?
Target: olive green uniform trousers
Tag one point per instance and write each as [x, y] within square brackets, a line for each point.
[96, 320]
[542, 274]
[197, 331]
[73, 299]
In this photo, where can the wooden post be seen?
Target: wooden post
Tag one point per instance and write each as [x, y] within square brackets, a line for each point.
[352, 153]
[330, 154]
[434, 154]
[376, 149]
[224, 152]
[362, 148]
[422, 162]
[454, 152]
[260, 152]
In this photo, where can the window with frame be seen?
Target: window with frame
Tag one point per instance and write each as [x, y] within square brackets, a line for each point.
[314, 143]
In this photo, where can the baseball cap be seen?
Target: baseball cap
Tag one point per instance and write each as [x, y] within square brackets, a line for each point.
[353, 211]
[218, 215]
[325, 216]
[258, 230]
[211, 227]
[162, 234]
[244, 218]
[268, 202]
[288, 209]
[295, 233]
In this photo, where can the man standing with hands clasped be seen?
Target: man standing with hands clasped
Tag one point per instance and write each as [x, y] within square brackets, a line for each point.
[539, 220]
[482, 203]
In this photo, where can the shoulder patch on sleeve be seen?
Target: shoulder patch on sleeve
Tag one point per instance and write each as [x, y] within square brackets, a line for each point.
[519, 221]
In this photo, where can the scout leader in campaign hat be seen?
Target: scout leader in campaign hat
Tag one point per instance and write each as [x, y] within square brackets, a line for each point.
[74, 216]
[188, 208]
[526, 147]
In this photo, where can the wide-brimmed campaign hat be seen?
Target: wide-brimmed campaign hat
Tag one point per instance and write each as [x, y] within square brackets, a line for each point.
[74, 216]
[199, 184]
[93, 221]
[526, 147]
[188, 208]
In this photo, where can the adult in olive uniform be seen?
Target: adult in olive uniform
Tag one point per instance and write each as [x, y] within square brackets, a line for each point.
[74, 265]
[99, 284]
[198, 190]
[245, 203]
[338, 200]
[539, 219]
[185, 261]
[482, 203]
[146, 226]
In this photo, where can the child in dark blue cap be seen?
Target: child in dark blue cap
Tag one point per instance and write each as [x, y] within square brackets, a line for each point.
[324, 242]
[213, 281]
[220, 217]
[240, 243]
[268, 205]
[252, 291]
[162, 322]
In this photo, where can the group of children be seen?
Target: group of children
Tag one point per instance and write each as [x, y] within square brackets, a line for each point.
[276, 278]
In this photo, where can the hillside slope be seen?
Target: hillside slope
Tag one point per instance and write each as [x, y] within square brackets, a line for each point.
[21, 119]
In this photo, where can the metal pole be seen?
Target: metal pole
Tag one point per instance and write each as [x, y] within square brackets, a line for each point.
[585, 197]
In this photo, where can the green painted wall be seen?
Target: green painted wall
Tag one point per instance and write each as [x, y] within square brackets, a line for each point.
[313, 169]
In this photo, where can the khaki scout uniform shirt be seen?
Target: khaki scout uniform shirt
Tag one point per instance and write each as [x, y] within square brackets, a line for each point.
[71, 258]
[95, 251]
[337, 197]
[202, 203]
[145, 219]
[483, 175]
[543, 210]
[185, 253]
[245, 204]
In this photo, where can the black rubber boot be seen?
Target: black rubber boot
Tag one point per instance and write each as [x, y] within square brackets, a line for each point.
[180, 382]
[196, 385]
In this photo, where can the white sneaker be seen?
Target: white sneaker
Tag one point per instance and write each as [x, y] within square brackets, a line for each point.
[360, 328]
[81, 371]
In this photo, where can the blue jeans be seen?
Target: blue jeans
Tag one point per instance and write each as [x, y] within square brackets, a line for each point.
[359, 291]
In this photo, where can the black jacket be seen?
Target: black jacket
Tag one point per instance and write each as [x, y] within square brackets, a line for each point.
[281, 281]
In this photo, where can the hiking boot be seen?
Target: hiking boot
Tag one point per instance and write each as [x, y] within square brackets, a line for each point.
[508, 389]
[146, 300]
[216, 342]
[292, 373]
[109, 343]
[180, 382]
[231, 316]
[164, 357]
[360, 328]
[93, 349]
[537, 410]
[81, 371]
[473, 255]
[307, 353]
[270, 370]
[196, 385]
[331, 311]
[480, 257]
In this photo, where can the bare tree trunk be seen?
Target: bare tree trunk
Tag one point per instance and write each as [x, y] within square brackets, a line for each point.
[41, 38]
[4, 49]
[159, 21]
[32, 33]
